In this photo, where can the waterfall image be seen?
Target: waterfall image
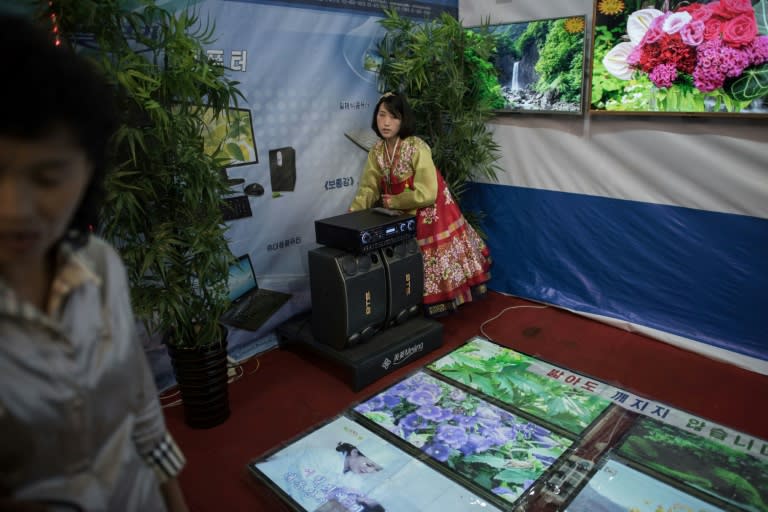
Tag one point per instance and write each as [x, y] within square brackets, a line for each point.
[514, 85]
[540, 65]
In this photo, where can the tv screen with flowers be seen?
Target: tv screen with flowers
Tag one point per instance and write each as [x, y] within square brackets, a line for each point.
[680, 56]
[539, 65]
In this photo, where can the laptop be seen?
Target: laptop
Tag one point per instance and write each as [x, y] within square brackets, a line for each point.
[251, 306]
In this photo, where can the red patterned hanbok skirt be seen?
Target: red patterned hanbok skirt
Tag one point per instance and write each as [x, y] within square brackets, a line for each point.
[456, 260]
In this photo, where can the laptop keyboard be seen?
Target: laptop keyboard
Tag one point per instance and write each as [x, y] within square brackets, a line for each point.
[236, 208]
[255, 311]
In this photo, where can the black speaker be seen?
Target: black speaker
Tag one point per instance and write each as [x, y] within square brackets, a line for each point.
[349, 296]
[404, 267]
[282, 169]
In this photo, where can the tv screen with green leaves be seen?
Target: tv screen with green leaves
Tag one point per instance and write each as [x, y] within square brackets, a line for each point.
[539, 65]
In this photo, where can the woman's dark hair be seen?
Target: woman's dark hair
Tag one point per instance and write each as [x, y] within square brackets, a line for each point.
[397, 105]
[347, 448]
[371, 508]
[51, 87]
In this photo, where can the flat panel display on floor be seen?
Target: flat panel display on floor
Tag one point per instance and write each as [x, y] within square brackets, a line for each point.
[502, 373]
[618, 488]
[701, 463]
[487, 428]
[344, 467]
[497, 451]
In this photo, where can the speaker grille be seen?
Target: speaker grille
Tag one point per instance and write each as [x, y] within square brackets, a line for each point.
[404, 266]
[349, 296]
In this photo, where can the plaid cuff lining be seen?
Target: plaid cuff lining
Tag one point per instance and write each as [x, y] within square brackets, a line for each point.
[166, 459]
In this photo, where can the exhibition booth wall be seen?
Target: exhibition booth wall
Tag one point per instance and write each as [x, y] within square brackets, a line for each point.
[655, 224]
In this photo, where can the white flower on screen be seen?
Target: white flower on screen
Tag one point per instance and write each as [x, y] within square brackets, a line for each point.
[675, 22]
[615, 61]
[638, 23]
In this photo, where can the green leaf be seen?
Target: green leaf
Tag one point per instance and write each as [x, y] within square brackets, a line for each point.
[761, 16]
[752, 84]
[234, 151]
[490, 460]
[517, 476]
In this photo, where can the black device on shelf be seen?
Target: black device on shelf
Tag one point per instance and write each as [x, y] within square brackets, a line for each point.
[365, 231]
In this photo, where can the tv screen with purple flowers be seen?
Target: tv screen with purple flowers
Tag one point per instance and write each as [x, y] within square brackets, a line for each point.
[680, 56]
[497, 451]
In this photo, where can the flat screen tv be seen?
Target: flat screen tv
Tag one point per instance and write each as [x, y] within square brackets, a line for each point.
[539, 65]
[343, 467]
[499, 453]
[673, 57]
[619, 487]
[678, 455]
[503, 374]
[230, 133]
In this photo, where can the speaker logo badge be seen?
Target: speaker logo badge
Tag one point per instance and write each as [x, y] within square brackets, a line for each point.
[408, 283]
[368, 308]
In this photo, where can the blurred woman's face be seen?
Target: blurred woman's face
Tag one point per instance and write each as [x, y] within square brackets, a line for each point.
[42, 182]
[361, 464]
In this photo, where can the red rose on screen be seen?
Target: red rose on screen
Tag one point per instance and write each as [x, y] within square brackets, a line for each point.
[690, 8]
[740, 31]
[704, 42]
[699, 12]
[712, 29]
[732, 8]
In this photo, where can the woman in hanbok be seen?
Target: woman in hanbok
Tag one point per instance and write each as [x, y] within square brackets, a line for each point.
[400, 175]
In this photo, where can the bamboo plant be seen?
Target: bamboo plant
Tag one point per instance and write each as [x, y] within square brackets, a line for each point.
[163, 208]
[446, 73]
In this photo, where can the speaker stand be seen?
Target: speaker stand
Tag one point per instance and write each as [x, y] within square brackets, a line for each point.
[384, 353]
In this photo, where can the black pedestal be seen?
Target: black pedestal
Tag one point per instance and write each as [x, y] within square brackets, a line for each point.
[382, 354]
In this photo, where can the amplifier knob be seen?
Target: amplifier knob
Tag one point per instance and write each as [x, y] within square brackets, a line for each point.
[411, 225]
[365, 237]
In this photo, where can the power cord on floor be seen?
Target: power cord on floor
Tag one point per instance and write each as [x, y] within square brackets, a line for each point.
[170, 404]
[235, 372]
[482, 330]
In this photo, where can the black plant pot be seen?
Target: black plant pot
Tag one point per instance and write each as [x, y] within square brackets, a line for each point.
[201, 374]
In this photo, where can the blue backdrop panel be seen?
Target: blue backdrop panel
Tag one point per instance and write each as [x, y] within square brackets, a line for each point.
[694, 273]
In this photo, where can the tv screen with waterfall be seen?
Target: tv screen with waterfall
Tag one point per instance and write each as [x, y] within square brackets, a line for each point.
[539, 65]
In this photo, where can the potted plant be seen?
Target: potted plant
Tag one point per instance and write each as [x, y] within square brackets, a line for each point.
[445, 71]
[164, 195]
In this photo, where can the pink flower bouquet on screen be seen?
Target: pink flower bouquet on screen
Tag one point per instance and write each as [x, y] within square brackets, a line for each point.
[718, 47]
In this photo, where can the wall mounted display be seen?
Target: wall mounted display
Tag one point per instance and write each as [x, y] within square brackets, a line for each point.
[619, 487]
[502, 373]
[493, 449]
[731, 476]
[540, 65]
[232, 132]
[680, 57]
[344, 467]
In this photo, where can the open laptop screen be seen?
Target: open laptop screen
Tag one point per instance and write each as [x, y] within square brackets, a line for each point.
[241, 278]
